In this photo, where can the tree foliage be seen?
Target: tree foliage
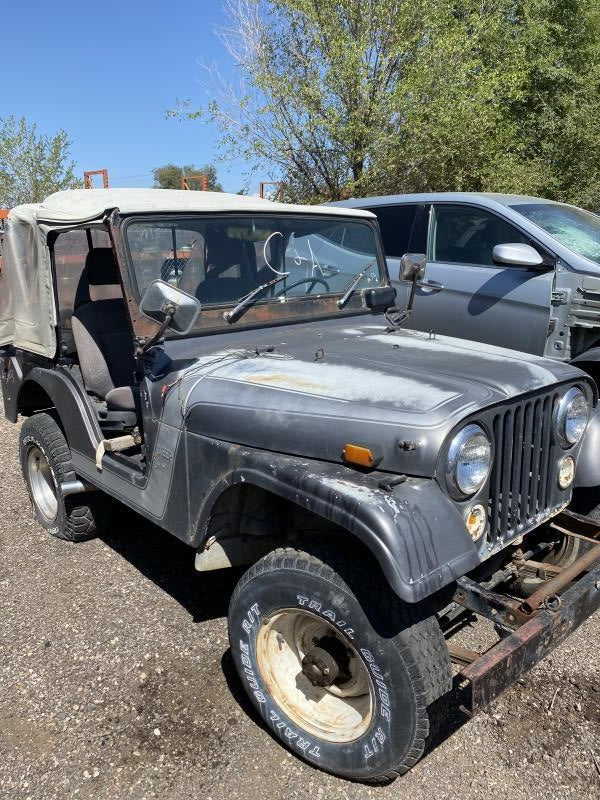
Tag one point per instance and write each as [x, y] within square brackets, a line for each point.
[340, 97]
[169, 177]
[32, 165]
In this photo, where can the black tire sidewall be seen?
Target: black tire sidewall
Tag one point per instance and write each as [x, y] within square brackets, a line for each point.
[57, 526]
[391, 735]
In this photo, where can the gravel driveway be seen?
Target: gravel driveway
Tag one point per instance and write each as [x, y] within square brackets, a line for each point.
[116, 682]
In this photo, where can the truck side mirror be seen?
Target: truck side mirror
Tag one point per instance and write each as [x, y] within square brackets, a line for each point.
[412, 268]
[170, 307]
[517, 255]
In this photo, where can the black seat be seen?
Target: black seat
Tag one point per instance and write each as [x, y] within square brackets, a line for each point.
[224, 272]
[102, 333]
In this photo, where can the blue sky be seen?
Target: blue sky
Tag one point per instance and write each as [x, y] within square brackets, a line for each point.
[108, 72]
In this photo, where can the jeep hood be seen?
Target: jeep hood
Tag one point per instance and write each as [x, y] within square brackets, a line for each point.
[309, 389]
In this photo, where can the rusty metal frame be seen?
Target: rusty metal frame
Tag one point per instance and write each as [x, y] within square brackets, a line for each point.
[538, 624]
[502, 665]
[87, 178]
[202, 177]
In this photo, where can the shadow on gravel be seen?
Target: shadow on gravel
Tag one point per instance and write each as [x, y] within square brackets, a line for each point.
[169, 563]
[448, 715]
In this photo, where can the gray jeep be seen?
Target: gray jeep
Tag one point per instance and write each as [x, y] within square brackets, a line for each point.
[516, 271]
[232, 369]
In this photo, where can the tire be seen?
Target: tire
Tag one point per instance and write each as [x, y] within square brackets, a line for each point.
[393, 651]
[46, 464]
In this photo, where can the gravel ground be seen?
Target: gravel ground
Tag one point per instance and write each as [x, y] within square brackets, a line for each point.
[116, 682]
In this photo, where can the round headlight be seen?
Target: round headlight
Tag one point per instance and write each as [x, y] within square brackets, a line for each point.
[469, 461]
[571, 417]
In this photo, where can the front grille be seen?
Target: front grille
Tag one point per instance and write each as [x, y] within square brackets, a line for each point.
[520, 484]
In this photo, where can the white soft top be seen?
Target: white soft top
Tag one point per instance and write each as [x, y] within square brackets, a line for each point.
[82, 205]
[28, 314]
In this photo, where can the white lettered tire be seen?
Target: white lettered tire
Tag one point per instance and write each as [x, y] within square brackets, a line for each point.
[300, 617]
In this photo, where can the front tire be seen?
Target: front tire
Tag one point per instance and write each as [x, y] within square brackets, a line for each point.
[46, 464]
[341, 671]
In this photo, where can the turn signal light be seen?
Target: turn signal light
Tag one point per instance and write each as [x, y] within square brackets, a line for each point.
[476, 520]
[358, 454]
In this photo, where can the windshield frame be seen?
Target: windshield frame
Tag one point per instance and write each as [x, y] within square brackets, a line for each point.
[265, 311]
[516, 208]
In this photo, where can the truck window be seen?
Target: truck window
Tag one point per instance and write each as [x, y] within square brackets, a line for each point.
[396, 224]
[468, 235]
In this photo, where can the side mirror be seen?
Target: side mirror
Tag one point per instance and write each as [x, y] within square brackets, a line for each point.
[517, 255]
[170, 307]
[412, 266]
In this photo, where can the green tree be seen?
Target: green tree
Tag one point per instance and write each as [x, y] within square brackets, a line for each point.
[169, 177]
[338, 97]
[32, 165]
[507, 100]
[318, 79]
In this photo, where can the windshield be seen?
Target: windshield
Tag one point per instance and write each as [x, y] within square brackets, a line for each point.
[577, 229]
[221, 259]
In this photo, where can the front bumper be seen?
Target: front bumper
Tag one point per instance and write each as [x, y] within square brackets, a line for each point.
[503, 664]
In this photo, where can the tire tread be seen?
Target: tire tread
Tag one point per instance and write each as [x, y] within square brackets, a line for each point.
[81, 522]
[419, 641]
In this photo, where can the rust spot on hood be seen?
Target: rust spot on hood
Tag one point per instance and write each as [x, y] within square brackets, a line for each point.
[286, 381]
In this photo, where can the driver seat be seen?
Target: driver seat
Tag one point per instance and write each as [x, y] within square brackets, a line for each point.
[103, 335]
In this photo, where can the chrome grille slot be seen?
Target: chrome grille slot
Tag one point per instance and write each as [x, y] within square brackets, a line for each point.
[520, 489]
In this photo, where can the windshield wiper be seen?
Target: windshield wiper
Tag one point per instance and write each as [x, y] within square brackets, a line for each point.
[349, 291]
[249, 299]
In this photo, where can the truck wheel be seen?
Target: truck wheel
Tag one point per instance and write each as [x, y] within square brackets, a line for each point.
[46, 464]
[341, 671]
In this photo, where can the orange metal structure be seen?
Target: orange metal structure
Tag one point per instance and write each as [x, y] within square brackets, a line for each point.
[87, 178]
[185, 181]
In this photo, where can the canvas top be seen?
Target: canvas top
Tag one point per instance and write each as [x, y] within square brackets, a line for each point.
[82, 205]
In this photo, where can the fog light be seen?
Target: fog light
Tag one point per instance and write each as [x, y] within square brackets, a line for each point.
[566, 472]
[476, 520]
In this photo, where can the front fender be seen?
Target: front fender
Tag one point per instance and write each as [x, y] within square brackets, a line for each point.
[414, 531]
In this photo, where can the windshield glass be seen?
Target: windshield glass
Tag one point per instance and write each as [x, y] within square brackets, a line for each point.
[577, 229]
[221, 259]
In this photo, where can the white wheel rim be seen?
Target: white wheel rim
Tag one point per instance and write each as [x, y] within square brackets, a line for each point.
[341, 712]
[41, 481]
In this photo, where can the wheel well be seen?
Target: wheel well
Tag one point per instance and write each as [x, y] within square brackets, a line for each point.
[247, 521]
[33, 398]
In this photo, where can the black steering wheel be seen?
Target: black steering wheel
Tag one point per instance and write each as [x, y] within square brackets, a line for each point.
[312, 280]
